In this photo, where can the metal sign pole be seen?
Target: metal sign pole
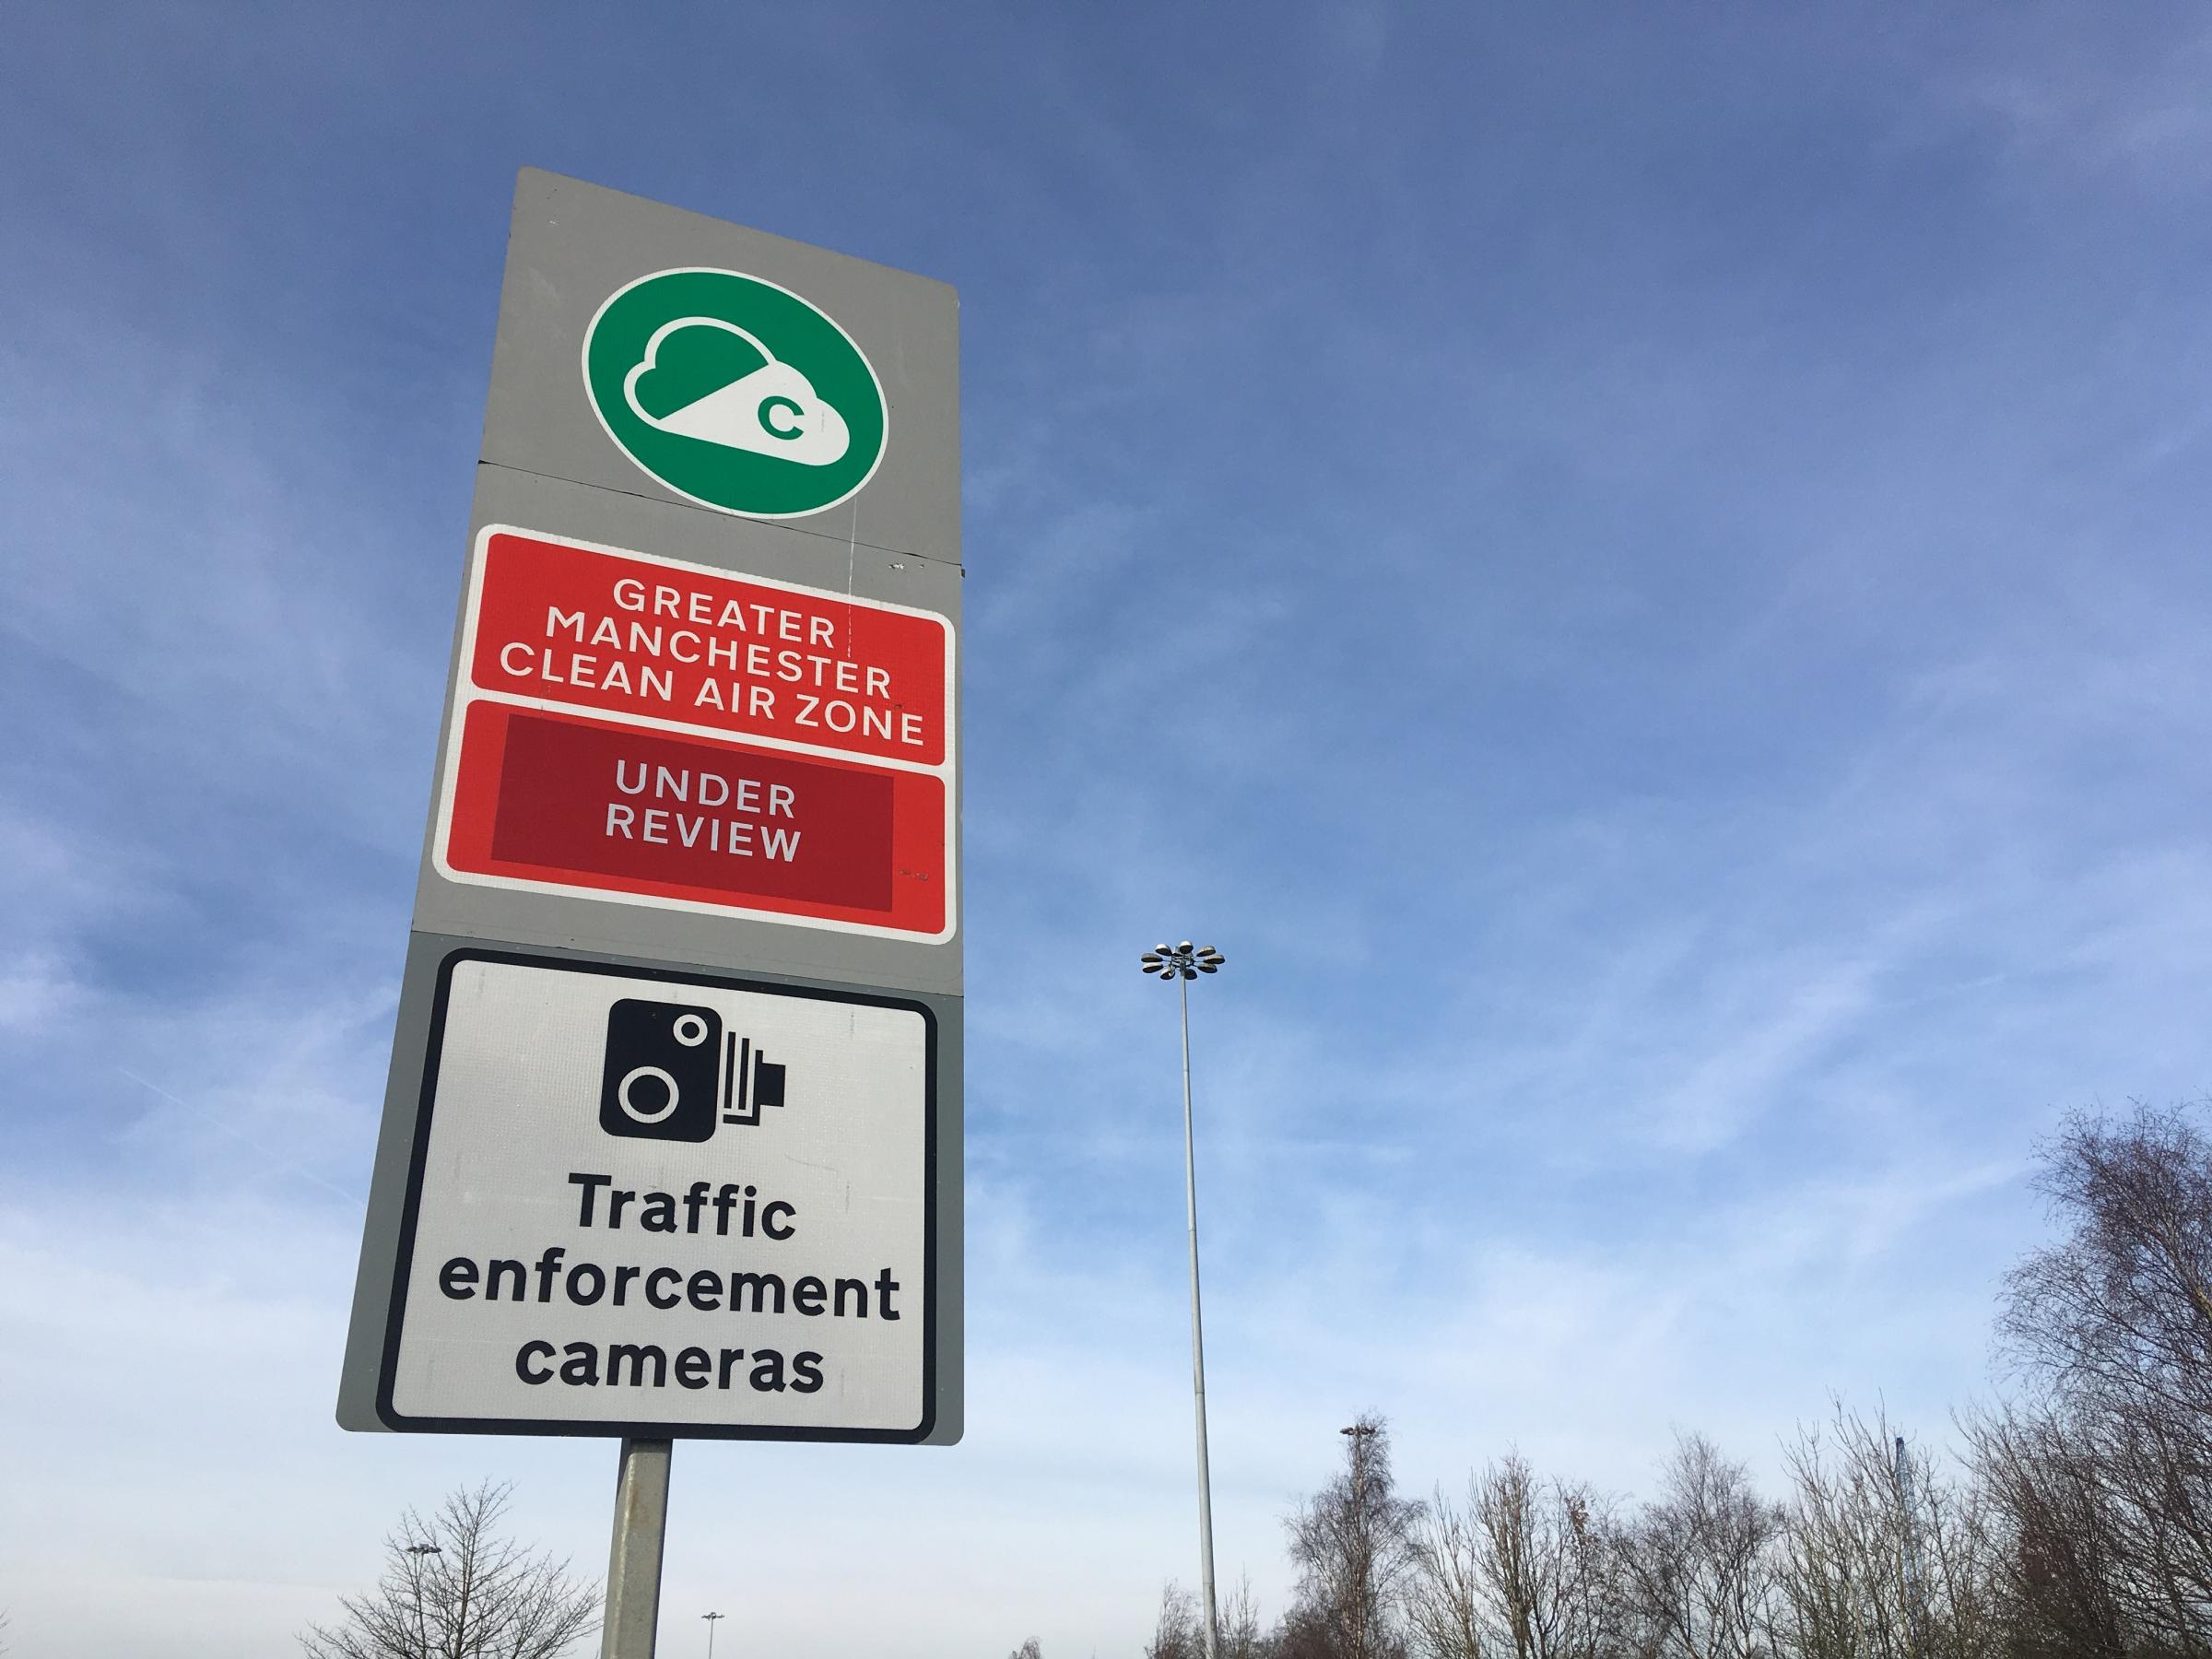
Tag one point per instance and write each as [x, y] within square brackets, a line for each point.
[633, 1564]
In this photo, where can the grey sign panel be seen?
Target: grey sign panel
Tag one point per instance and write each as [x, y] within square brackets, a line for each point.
[574, 245]
[680, 1021]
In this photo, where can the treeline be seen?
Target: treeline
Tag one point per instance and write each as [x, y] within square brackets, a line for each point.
[2072, 1521]
[1866, 1555]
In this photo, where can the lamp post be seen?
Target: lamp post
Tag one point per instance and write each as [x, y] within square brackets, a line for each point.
[1915, 1597]
[711, 1618]
[422, 1626]
[1182, 963]
[1362, 1435]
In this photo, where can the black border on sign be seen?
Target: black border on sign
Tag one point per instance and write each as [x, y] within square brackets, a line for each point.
[403, 1258]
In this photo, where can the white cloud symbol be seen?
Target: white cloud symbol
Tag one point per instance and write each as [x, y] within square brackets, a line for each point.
[773, 411]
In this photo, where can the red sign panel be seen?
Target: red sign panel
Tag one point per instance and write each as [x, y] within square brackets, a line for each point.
[596, 630]
[720, 743]
[546, 797]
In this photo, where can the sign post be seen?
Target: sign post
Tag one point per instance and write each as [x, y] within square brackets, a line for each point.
[632, 1616]
[671, 1144]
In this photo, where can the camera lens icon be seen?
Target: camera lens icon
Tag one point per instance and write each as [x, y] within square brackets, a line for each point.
[663, 1066]
[671, 1093]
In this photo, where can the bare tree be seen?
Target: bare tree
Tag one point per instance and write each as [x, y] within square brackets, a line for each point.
[1962, 1566]
[2104, 1472]
[1520, 1569]
[1178, 1634]
[1874, 1566]
[1695, 1570]
[1027, 1650]
[453, 1589]
[1353, 1545]
[1448, 1610]
[2059, 1574]
[1240, 1637]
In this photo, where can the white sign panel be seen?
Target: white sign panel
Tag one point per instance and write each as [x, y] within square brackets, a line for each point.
[660, 1204]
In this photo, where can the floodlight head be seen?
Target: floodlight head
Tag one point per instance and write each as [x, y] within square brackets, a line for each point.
[1182, 962]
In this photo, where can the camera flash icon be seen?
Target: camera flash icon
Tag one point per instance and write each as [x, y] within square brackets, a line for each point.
[751, 1081]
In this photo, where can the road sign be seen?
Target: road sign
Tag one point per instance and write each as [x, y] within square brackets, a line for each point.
[683, 645]
[653, 800]
[734, 391]
[648, 1204]
[672, 1134]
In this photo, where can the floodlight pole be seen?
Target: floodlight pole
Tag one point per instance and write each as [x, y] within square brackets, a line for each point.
[1205, 1489]
[633, 1566]
[1182, 963]
[1915, 1596]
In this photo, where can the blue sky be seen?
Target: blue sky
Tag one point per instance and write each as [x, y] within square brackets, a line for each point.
[1641, 569]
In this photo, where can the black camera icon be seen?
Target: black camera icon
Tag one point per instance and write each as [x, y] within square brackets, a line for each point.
[672, 1070]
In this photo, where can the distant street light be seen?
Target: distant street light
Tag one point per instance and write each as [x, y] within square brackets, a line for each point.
[1361, 1433]
[422, 1637]
[1182, 963]
[711, 1618]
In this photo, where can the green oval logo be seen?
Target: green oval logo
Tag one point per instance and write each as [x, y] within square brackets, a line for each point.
[735, 392]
